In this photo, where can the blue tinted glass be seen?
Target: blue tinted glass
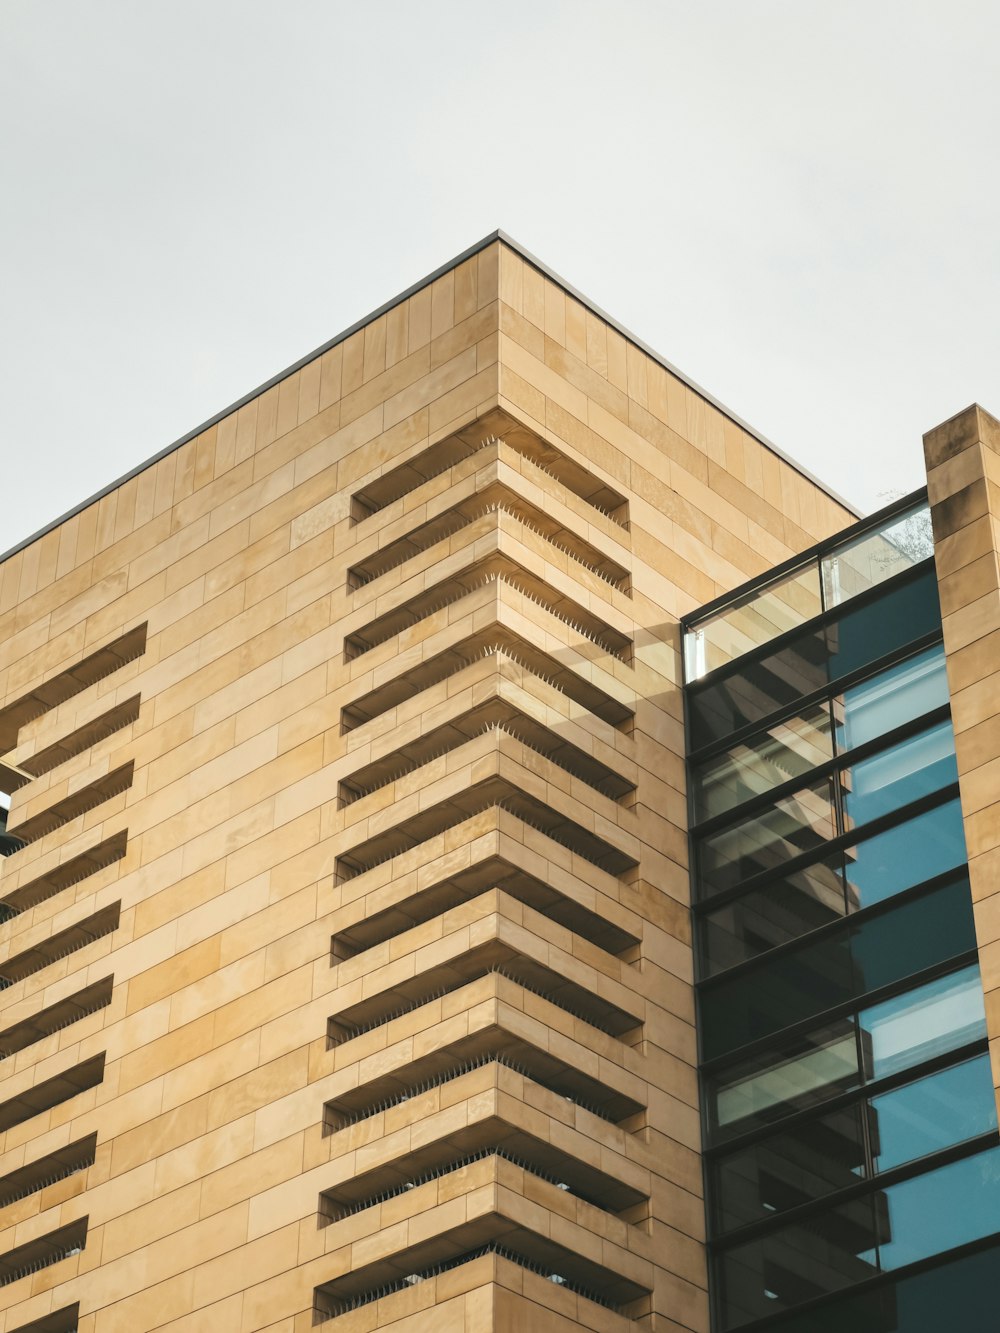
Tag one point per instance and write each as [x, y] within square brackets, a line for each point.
[922, 1023]
[935, 1212]
[905, 855]
[934, 1112]
[893, 697]
[903, 773]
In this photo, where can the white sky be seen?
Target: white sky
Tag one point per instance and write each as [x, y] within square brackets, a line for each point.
[793, 201]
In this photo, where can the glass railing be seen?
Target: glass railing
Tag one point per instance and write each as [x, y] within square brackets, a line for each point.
[824, 581]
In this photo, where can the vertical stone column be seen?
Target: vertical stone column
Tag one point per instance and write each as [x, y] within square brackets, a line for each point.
[963, 480]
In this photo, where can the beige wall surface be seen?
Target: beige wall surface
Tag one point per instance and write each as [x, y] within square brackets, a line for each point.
[350, 755]
[963, 485]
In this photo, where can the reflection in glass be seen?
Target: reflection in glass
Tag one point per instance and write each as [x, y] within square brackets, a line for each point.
[787, 907]
[879, 1232]
[814, 1157]
[804, 1162]
[903, 773]
[904, 692]
[905, 855]
[922, 1023]
[793, 825]
[754, 690]
[840, 967]
[901, 543]
[932, 1113]
[769, 611]
[917, 1303]
[792, 1264]
[787, 750]
[776, 1083]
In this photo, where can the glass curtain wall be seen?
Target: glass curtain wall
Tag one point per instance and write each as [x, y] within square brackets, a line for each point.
[852, 1152]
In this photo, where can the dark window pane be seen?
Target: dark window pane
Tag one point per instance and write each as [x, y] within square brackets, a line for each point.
[775, 1083]
[932, 1113]
[794, 825]
[951, 1206]
[826, 1253]
[787, 750]
[794, 1166]
[901, 694]
[787, 989]
[895, 944]
[905, 855]
[960, 1296]
[786, 908]
[885, 1230]
[922, 1023]
[903, 773]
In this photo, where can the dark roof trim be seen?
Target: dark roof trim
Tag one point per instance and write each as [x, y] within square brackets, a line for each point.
[381, 310]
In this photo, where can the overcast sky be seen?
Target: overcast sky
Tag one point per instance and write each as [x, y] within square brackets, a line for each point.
[794, 201]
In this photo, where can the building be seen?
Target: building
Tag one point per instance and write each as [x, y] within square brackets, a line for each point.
[349, 954]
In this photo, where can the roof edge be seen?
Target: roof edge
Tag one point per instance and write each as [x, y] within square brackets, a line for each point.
[483, 244]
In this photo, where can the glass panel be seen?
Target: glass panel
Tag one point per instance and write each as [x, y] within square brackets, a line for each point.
[767, 612]
[920, 1303]
[893, 778]
[922, 1023]
[933, 1113]
[758, 688]
[863, 634]
[787, 989]
[840, 968]
[792, 1264]
[796, 1165]
[905, 855]
[787, 750]
[951, 1206]
[754, 690]
[777, 1083]
[903, 542]
[785, 909]
[795, 824]
[890, 699]
[913, 936]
